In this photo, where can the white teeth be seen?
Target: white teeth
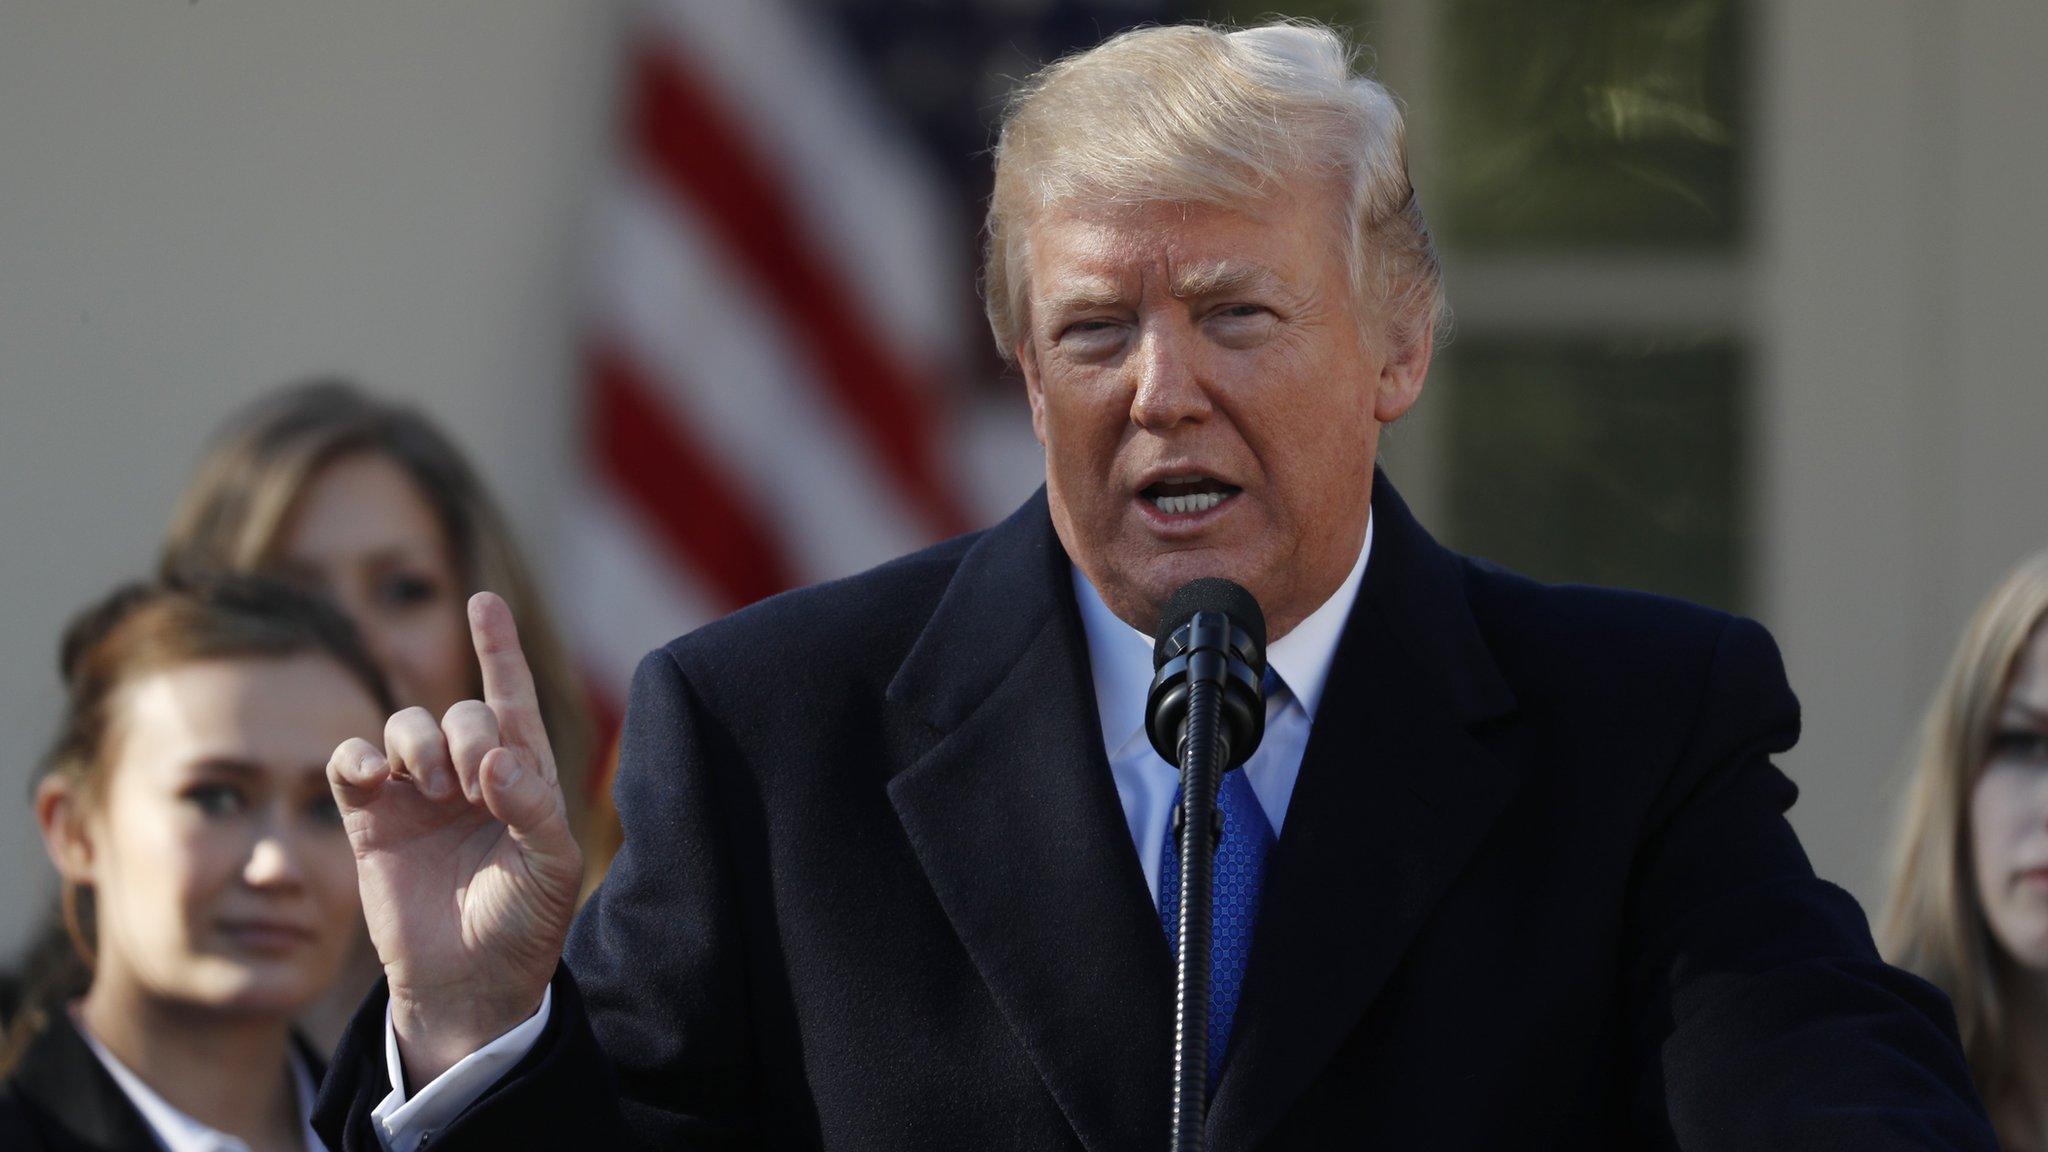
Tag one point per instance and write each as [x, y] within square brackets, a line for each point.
[1182, 505]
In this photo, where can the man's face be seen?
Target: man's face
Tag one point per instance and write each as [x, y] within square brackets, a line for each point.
[1208, 399]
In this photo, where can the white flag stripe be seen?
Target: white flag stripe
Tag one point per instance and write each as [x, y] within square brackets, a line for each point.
[722, 360]
[875, 210]
[629, 598]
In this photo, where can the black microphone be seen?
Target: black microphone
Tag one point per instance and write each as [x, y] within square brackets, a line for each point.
[1205, 714]
[1211, 631]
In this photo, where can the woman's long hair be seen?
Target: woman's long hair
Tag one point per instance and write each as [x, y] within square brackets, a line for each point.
[235, 512]
[1934, 923]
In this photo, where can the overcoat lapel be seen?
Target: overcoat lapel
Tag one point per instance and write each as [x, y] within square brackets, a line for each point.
[1015, 819]
[73, 1093]
[1394, 796]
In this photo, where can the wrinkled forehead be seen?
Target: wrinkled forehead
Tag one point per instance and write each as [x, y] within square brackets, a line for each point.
[1097, 253]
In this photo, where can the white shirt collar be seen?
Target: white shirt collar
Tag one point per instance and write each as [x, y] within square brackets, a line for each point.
[1120, 656]
[179, 1132]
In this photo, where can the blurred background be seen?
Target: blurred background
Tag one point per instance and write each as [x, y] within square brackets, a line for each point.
[1748, 298]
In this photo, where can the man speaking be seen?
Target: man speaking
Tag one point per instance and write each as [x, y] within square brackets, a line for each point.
[1515, 872]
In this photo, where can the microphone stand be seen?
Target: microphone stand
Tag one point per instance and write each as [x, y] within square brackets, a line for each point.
[1205, 712]
[1202, 757]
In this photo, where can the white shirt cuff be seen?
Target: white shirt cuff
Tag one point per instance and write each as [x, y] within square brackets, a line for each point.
[402, 1124]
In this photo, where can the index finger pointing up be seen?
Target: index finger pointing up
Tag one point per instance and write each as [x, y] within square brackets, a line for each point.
[508, 683]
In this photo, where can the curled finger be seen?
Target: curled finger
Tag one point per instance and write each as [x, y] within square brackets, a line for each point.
[355, 772]
[471, 730]
[416, 749]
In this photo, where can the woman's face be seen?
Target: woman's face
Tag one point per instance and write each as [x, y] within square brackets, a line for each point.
[364, 536]
[220, 871]
[2009, 814]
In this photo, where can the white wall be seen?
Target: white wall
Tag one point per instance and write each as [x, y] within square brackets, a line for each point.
[199, 199]
[1904, 269]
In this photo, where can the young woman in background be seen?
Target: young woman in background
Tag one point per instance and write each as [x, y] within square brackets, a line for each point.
[207, 883]
[1969, 901]
[369, 503]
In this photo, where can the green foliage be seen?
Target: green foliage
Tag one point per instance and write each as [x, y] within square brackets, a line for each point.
[1590, 123]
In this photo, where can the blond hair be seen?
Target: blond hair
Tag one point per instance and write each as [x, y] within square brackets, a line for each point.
[1934, 922]
[1192, 113]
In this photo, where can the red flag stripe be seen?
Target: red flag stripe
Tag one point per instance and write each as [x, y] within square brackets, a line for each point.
[643, 448]
[696, 153]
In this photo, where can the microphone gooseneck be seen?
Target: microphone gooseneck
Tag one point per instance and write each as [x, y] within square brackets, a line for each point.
[1205, 714]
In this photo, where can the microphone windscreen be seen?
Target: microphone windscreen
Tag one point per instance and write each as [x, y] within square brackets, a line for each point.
[1209, 594]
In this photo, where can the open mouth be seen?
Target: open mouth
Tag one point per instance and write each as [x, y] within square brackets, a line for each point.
[1188, 495]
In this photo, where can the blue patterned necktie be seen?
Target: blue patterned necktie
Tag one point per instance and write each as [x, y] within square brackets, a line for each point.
[1240, 877]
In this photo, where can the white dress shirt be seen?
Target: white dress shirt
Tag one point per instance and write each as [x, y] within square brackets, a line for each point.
[1120, 660]
[402, 1124]
[178, 1132]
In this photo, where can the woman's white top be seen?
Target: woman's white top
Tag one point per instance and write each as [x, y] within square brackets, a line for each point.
[178, 1132]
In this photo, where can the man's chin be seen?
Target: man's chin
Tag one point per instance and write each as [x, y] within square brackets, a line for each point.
[1156, 578]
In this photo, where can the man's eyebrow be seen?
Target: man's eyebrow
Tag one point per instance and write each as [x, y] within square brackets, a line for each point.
[1081, 294]
[1219, 279]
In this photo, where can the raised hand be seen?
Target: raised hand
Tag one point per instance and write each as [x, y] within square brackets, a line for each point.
[468, 871]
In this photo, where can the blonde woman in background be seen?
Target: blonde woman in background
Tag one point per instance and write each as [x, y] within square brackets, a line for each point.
[1969, 901]
[371, 504]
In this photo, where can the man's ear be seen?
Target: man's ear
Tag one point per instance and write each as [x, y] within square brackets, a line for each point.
[1034, 386]
[60, 816]
[1400, 382]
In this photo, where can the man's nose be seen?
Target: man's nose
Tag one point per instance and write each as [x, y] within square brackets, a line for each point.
[1168, 388]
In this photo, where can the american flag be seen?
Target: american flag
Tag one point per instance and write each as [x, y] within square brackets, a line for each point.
[786, 375]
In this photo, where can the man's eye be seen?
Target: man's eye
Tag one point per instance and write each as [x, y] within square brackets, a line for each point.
[216, 799]
[1240, 325]
[404, 590]
[2021, 746]
[1091, 340]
